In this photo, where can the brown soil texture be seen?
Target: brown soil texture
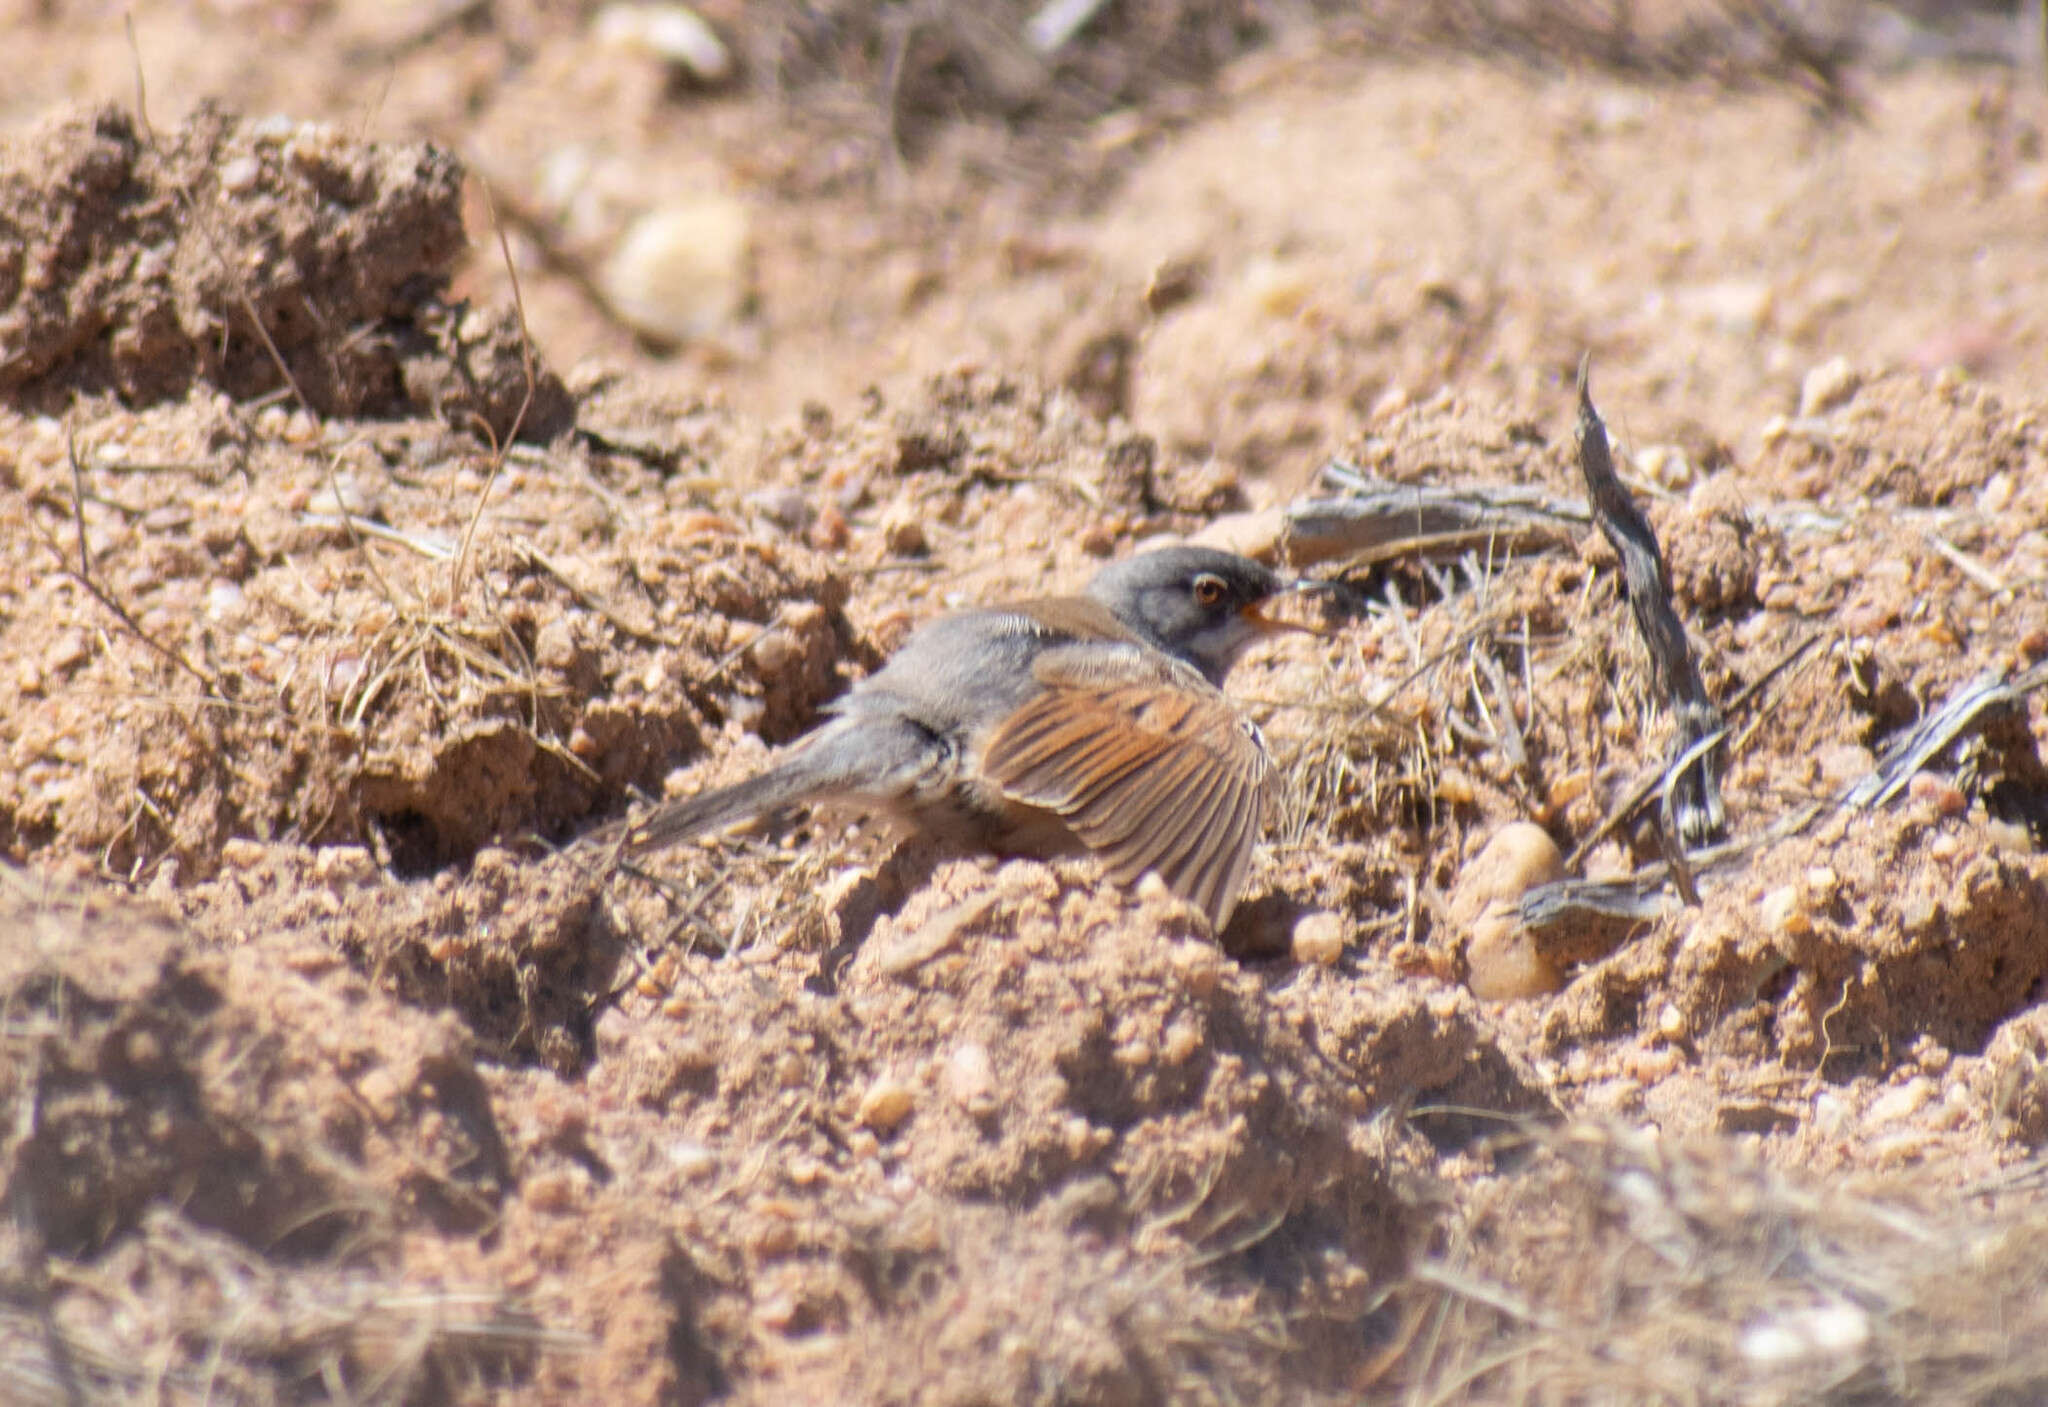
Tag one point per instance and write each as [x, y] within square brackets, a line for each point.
[366, 566]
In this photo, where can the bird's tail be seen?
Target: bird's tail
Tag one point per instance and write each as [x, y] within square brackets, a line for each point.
[691, 816]
[872, 758]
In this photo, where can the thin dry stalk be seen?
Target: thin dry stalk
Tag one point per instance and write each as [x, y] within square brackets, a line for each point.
[83, 575]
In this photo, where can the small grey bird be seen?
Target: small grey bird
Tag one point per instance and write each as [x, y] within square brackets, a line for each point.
[1091, 721]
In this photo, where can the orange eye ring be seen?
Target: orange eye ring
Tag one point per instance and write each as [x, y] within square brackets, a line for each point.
[1210, 591]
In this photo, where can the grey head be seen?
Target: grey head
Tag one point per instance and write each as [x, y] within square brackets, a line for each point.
[1195, 603]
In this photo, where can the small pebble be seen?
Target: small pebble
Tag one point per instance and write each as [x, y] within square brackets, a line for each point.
[225, 599]
[1256, 533]
[67, 650]
[1198, 965]
[774, 1235]
[556, 647]
[700, 523]
[1501, 961]
[551, 1192]
[775, 654]
[1826, 1331]
[1996, 495]
[674, 34]
[829, 532]
[680, 273]
[1137, 1053]
[785, 505]
[241, 853]
[1830, 385]
[1736, 306]
[887, 1103]
[1898, 1103]
[1569, 788]
[1098, 539]
[239, 174]
[1183, 1039]
[1932, 1056]
[1784, 912]
[381, 1090]
[1646, 1067]
[1454, 788]
[971, 1078]
[778, 1309]
[1318, 938]
[353, 494]
[1665, 465]
[1518, 857]
[335, 864]
[904, 534]
[1932, 789]
[1081, 1138]
[1276, 288]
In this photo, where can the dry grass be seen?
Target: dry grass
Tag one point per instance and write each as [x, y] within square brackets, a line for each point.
[1620, 1267]
[180, 1314]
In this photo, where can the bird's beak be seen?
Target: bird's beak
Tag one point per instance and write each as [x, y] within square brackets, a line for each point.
[1256, 612]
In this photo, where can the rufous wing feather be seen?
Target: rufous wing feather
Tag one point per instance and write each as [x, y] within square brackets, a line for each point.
[1151, 776]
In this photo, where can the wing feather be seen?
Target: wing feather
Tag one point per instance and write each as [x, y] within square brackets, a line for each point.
[1151, 770]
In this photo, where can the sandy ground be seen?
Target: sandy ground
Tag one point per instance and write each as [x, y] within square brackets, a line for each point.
[350, 584]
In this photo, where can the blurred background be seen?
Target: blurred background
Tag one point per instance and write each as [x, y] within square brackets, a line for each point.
[1243, 226]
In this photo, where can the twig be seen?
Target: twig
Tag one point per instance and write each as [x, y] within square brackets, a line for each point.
[432, 551]
[1674, 853]
[82, 574]
[1495, 1297]
[1646, 785]
[1376, 521]
[1507, 733]
[462, 557]
[1933, 734]
[1969, 566]
[1763, 681]
[1696, 796]
[596, 604]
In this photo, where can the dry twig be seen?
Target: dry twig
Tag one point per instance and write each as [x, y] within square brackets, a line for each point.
[1695, 793]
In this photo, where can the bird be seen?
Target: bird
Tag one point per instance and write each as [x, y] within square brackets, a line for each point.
[1094, 722]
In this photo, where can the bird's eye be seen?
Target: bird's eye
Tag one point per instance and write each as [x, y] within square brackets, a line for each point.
[1210, 590]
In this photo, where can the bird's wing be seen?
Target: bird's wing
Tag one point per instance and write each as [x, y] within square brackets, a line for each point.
[1143, 760]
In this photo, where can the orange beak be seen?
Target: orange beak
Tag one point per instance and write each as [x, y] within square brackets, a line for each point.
[1273, 625]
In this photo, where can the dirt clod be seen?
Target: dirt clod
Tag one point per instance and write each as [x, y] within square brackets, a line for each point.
[147, 265]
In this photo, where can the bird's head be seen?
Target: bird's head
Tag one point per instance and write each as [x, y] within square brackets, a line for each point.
[1198, 604]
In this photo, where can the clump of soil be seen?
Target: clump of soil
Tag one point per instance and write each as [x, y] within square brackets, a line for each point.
[144, 268]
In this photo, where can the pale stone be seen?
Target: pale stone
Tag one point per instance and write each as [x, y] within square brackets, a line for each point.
[680, 273]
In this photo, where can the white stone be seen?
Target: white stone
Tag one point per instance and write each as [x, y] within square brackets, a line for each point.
[674, 34]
